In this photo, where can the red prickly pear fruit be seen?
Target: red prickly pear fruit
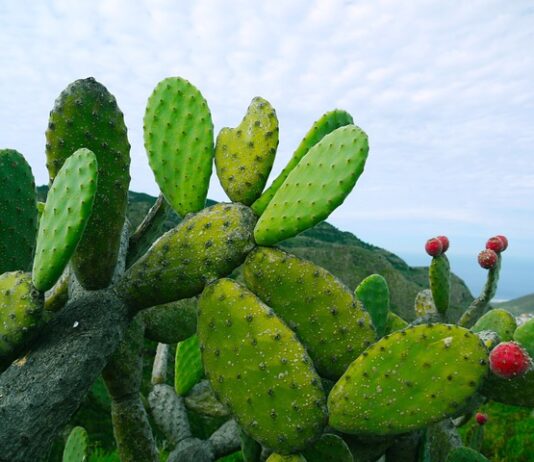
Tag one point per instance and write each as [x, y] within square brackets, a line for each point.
[504, 241]
[497, 244]
[487, 259]
[481, 418]
[434, 247]
[444, 242]
[509, 360]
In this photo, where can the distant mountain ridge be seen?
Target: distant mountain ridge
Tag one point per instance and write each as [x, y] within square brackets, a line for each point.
[519, 305]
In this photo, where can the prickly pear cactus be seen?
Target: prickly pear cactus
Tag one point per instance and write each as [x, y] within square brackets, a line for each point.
[286, 458]
[373, 292]
[518, 391]
[21, 313]
[332, 325]
[439, 276]
[259, 369]
[244, 155]
[464, 454]
[315, 187]
[188, 365]
[524, 335]
[328, 448]
[202, 248]
[178, 133]
[18, 212]
[76, 448]
[499, 321]
[67, 211]
[322, 127]
[86, 115]
[424, 303]
[394, 323]
[408, 380]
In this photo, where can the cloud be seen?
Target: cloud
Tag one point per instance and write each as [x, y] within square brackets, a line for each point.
[444, 90]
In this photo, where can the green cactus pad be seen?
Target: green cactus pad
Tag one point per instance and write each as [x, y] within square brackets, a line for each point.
[330, 322]
[187, 366]
[518, 391]
[202, 248]
[524, 335]
[67, 211]
[18, 212]
[172, 322]
[322, 127]
[244, 155]
[373, 292]
[21, 313]
[464, 454]
[315, 187]
[439, 275]
[250, 448]
[407, 380]
[274, 457]
[259, 369]
[86, 115]
[329, 448]
[178, 133]
[424, 303]
[499, 321]
[77, 446]
[394, 323]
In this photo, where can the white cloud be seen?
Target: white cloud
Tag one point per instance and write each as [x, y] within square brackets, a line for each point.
[444, 90]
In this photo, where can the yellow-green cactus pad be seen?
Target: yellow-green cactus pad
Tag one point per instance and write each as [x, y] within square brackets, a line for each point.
[244, 155]
[18, 212]
[77, 446]
[259, 369]
[315, 187]
[178, 133]
[274, 457]
[499, 321]
[329, 321]
[373, 292]
[67, 211]
[187, 365]
[394, 323]
[424, 303]
[21, 312]
[439, 275]
[408, 380]
[322, 127]
[524, 335]
[328, 448]
[203, 247]
[86, 115]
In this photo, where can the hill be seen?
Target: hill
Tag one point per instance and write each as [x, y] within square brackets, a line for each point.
[519, 305]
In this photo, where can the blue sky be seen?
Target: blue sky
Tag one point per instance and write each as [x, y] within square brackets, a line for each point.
[445, 91]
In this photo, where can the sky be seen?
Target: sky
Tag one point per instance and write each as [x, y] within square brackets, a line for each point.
[444, 90]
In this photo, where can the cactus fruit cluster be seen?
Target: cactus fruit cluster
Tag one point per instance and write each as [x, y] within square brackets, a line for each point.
[299, 366]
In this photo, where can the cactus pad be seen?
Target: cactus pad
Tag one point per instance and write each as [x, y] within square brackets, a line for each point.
[21, 312]
[86, 115]
[439, 275]
[67, 210]
[328, 448]
[77, 446]
[178, 133]
[18, 212]
[187, 366]
[499, 321]
[408, 380]
[202, 248]
[315, 187]
[465, 454]
[373, 292]
[244, 155]
[394, 323]
[518, 391]
[328, 320]
[259, 369]
[322, 127]
[274, 457]
[524, 335]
